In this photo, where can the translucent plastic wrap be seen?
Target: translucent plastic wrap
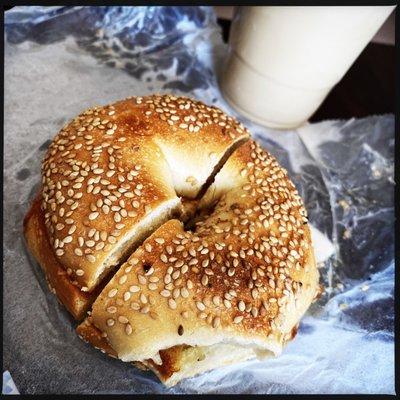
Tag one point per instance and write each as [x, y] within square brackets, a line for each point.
[61, 60]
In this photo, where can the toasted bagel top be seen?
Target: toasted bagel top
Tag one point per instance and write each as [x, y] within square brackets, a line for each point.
[114, 169]
[244, 275]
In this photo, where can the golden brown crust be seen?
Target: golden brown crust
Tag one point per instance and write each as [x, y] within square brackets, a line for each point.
[170, 358]
[69, 294]
[90, 334]
[237, 279]
[112, 166]
[246, 274]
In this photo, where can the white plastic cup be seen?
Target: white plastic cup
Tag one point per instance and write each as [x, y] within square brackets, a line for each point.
[283, 61]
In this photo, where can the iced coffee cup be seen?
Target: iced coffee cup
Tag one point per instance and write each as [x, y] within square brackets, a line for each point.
[283, 61]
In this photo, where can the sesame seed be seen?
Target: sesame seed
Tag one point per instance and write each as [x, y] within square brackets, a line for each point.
[91, 258]
[143, 298]
[71, 230]
[175, 274]
[93, 215]
[254, 293]
[272, 283]
[111, 239]
[172, 304]
[152, 286]
[238, 319]
[184, 268]
[241, 305]
[200, 306]
[135, 306]
[216, 322]
[123, 319]
[99, 246]
[176, 293]
[227, 303]
[128, 329]
[112, 292]
[205, 262]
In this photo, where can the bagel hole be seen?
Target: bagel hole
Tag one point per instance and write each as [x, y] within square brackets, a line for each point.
[194, 214]
[220, 164]
[199, 215]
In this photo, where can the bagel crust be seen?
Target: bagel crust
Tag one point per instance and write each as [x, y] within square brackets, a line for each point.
[189, 239]
[116, 168]
[66, 290]
[243, 277]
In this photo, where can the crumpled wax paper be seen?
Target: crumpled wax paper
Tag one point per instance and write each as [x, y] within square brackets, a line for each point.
[61, 60]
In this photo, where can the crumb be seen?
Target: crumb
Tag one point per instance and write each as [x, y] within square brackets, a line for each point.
[376, 173]
[346, 234]
[328, 290]
[343, 306]
[344, 204]
[340, 286]
[364, 288]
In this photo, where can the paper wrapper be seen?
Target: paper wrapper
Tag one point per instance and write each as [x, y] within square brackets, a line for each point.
[61, 60]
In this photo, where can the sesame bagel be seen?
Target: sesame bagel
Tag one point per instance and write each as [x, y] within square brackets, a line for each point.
[189, 239]
[240, 280]
[116, 173]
